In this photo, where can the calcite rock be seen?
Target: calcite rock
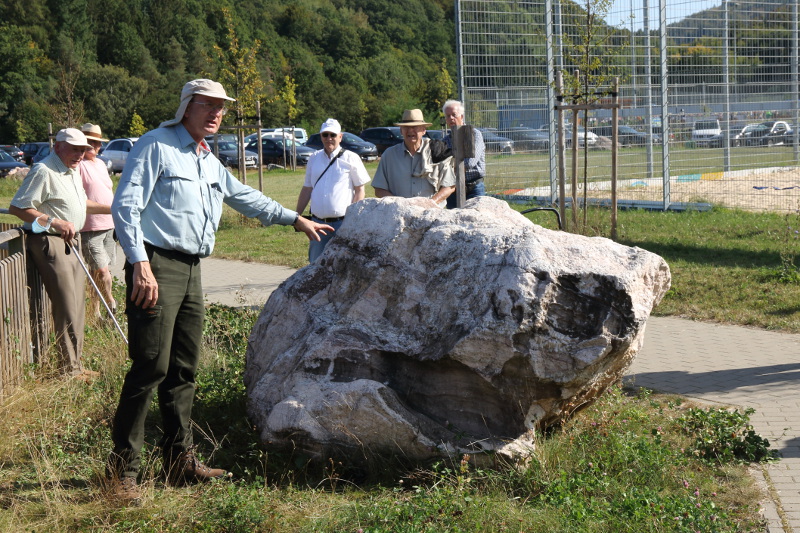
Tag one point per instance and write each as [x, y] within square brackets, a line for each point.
[426, 332]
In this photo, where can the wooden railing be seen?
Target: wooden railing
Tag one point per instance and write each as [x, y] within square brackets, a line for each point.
[25, 314]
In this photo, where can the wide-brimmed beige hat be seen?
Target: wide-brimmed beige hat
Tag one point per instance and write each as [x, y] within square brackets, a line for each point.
[93, 132]
[202, 86]
[72, 136]
[412, 117]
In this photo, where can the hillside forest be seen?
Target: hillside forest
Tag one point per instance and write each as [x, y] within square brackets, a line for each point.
[122, 63]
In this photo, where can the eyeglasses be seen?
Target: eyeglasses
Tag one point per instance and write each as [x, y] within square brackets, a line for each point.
[327, 134]
[213, 108]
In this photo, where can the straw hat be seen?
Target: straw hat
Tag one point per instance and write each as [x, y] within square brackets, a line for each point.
[92, 132]
[413, 117]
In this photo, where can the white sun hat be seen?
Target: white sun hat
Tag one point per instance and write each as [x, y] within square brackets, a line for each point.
[202, 86]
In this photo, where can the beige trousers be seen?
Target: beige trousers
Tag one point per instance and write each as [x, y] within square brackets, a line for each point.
[63, 279]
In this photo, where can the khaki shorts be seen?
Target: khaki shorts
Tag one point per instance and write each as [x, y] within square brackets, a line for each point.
[99, 248]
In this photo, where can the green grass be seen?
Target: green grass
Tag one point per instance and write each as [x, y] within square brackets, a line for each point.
[727, 265]
[634, 461]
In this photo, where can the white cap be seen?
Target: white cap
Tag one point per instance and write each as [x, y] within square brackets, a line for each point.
[331, 125]
[72, 136]
[202, 86]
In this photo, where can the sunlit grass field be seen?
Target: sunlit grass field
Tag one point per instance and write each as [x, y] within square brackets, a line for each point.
[634, 461]
[727, 265]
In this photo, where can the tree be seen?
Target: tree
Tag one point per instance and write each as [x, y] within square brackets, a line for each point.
[436, 88]
[21, 77]
[67, 107]
[136, 128]
[238, 72]
[288, 95]
[588, 51]
[110, 94]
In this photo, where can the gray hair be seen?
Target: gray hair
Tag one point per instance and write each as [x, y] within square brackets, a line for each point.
[453, 103]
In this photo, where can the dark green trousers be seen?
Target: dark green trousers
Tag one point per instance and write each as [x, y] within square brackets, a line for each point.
[164, 347]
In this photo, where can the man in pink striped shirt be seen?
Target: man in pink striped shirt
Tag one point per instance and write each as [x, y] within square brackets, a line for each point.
[97, 235]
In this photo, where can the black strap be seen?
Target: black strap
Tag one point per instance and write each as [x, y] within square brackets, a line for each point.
[329, 166]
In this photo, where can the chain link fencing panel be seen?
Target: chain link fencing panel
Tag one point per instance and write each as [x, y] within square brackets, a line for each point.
[709, 93]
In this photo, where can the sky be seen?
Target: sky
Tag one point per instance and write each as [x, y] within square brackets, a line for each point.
[620, 11]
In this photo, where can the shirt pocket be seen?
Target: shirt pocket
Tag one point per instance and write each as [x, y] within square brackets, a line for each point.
[215, 197]
[183, 193]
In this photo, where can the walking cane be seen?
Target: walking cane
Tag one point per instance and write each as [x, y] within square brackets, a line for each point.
[97, 290]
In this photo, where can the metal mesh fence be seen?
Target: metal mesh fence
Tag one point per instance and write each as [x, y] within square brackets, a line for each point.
[709, 94]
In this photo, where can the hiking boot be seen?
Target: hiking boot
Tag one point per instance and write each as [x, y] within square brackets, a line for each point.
[187, 469]
[124, 489]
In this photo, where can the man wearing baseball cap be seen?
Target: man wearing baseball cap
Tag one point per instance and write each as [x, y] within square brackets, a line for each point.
[97, 234]
[166, 211]
[408, 170]
[53, 206]
[335, 178]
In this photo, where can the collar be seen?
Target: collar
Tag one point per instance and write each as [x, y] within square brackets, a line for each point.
[425, 140]
[186, 140]
[334, 153]
[57, 164]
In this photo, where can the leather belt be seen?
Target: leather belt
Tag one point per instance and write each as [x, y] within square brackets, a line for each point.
[331, 219]
[472, 184]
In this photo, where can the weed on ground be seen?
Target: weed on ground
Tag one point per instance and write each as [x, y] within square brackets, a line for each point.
[630, 462]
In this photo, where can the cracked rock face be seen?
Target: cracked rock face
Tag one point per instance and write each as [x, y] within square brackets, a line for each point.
[426, 332]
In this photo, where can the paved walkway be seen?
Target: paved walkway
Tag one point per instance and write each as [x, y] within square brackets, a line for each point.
[726, 365]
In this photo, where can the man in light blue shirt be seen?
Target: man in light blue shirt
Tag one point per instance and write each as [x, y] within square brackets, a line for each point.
[166, 211]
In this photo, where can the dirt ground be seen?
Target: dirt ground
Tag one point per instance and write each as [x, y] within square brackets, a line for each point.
[757, 190]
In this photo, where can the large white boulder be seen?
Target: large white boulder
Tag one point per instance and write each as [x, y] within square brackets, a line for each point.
[426, 332]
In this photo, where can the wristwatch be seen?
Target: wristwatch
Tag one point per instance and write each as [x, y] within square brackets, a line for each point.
[49, 222]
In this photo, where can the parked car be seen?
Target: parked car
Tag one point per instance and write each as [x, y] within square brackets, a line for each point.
[220, 137]
[228, 154]
[764, 134]
[300, 135]
[35, 152]
[707, 133]
[528, 138]
[382, 137]
[366, 150]
[495, 143]
[13, 151]
[8, 163]
[437, 135]
[626, 135]
[278, 151]
[116, 153]
[587, 138]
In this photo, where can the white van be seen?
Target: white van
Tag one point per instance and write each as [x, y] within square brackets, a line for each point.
[707, 132]
[300, 135]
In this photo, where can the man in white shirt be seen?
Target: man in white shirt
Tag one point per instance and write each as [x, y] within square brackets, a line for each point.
[335, 178]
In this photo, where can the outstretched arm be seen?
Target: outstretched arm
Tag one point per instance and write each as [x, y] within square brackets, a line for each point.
[310, 228]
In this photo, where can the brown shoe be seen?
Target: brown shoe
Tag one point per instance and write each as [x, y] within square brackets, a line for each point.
[186, 469]
[124, 489]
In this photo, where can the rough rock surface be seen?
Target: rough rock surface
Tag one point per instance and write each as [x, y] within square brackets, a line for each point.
[425, 332]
